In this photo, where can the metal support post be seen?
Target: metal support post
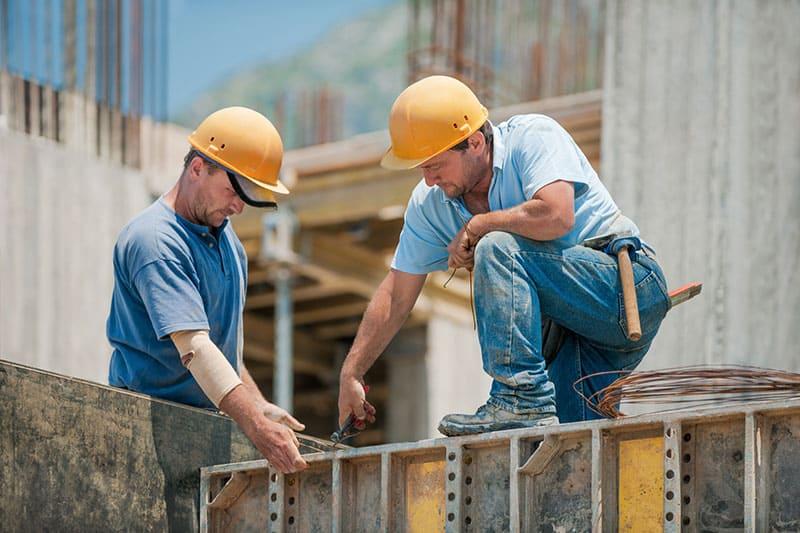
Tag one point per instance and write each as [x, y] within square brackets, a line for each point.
[276, 249]
[284, 376]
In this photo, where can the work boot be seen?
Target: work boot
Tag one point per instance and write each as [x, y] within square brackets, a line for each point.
[490, 418]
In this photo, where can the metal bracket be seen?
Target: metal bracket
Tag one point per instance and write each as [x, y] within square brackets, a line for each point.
[234, 488]
[551, 447]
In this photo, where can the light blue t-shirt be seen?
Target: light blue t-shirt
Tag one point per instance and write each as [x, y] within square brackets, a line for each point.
[171, 275]
[529, 152]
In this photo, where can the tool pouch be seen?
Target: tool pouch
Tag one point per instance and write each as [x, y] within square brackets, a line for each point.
[552, 339]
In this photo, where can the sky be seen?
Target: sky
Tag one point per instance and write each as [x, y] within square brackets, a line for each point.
[209, 40]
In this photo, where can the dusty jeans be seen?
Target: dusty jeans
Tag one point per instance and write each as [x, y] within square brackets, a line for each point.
[518, 281]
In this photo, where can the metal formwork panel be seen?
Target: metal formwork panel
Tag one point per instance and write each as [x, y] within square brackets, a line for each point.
[780, 450]
[729, 469]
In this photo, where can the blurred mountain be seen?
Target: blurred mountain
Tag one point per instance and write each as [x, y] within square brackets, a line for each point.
[361, 64]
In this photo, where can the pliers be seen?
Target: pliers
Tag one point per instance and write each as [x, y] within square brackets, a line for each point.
[350, 427]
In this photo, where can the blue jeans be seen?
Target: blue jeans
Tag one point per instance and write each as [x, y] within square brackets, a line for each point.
[519, 281]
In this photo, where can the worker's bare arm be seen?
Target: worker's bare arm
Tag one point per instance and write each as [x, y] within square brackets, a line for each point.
[275, 441]
[239, 399]
[386, 313]
[550, 214]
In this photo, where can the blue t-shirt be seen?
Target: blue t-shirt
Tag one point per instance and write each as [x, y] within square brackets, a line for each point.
[529, 152]
[171, 275]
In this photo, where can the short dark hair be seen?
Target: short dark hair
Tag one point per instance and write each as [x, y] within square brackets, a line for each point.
[486, 129]
[190, 155]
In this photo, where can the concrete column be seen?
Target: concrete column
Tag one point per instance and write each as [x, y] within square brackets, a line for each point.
[701, 148]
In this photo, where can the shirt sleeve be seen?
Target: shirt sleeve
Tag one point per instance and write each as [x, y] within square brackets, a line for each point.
[171, 297]
[545, 153]
[419, 250]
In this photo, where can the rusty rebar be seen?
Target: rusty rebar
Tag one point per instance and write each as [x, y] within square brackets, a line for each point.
[692, 386]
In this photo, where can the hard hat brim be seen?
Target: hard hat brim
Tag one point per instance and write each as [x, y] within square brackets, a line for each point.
[252, 192]
[279, 187]
[390, 161]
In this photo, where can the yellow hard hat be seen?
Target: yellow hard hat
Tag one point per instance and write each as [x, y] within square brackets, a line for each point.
[246, 144]
[429, 117]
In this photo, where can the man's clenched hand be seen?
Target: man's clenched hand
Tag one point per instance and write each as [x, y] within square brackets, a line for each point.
[462, 250]
[353, 399]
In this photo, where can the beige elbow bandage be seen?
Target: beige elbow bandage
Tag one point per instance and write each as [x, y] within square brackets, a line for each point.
[205, 361]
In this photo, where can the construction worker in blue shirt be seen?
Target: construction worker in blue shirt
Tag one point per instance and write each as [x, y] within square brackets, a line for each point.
[180, 276]
[512, 203]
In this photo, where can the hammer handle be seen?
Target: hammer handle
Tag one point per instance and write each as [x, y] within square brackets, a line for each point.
[629, 295]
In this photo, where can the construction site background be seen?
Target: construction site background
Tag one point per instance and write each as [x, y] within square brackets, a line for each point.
[689, 109]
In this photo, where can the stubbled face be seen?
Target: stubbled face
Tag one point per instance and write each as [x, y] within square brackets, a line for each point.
[455, 172]
[214, 198]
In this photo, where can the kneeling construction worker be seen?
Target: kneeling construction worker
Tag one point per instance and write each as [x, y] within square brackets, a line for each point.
[180, 276]
[512, 203]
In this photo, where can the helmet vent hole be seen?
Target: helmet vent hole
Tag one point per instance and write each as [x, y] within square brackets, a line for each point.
[466, 117]
[455, 125]
[211, 140]
[223, 146]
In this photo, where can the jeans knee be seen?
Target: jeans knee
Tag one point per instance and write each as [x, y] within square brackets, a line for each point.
[493, 244]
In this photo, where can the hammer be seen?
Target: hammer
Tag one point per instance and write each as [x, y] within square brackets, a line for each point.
[618, 244]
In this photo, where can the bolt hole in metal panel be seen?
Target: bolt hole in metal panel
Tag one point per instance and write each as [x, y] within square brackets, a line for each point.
[485, 488]
[308, 500]
[559, 498]
[720, 470]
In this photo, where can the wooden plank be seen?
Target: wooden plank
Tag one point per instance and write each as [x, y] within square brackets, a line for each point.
[261, 331]
[346, 328]
[300, 294]
[366, 150]
[300, 365]
[325, 314]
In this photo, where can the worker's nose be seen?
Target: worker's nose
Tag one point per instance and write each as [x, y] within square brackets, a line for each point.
[430, 179]
[238, 206]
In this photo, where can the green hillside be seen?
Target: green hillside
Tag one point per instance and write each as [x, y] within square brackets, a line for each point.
[363, 61]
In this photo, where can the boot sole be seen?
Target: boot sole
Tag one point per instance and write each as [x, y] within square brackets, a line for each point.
[476, 429]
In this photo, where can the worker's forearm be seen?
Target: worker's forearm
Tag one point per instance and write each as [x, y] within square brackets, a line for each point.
[239, 405]
[533, 219]
[251, 387]
[382, 320]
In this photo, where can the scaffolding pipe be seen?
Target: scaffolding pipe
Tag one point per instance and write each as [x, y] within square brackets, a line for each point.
[284, 377]
[276, 250]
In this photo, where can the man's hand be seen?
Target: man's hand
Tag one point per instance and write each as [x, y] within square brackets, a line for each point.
[276, 442]
[279, 445]
[281, 416]
[462, 249]
[353, 399]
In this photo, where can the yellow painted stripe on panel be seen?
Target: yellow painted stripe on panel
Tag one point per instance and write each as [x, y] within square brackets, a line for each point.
[641, 484]
[425, 502]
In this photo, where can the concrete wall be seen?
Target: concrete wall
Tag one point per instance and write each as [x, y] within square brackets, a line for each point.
[701, 147]
[75, 456]
[60, 212]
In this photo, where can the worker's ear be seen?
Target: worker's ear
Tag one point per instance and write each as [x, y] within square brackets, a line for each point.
[477, 141]
[196, 166]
